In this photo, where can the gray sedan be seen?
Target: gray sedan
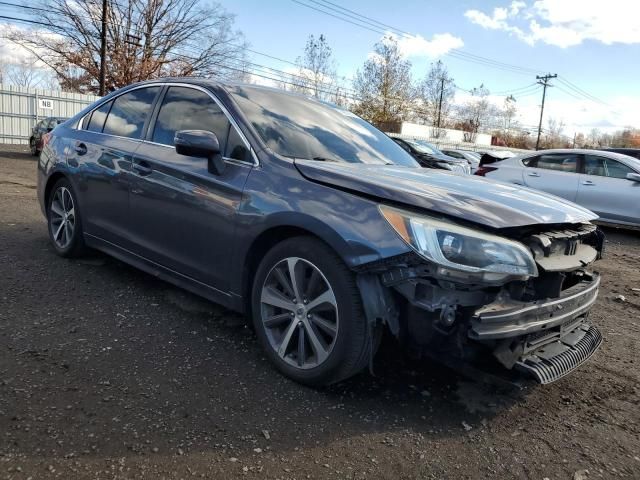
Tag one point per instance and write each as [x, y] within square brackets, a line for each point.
[605, 182]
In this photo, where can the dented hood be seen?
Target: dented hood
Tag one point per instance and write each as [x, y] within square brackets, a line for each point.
[475, 199]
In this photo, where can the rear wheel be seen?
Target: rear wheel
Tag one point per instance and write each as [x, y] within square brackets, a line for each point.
[308, 314]
[63, 219]
[33, 148]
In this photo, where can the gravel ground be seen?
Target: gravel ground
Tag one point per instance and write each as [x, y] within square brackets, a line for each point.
[106, 372]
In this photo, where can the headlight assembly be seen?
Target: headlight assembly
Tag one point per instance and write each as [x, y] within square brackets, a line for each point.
[461, 251]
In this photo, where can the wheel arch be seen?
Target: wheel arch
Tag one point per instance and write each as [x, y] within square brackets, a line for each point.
[51, 181]
[264, 242]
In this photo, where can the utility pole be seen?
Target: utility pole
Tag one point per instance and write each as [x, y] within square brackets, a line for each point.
[544, 81]
[103, 48]
[440, 102]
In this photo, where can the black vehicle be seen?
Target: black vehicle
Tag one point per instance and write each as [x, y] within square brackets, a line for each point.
[38, 131]
[429, 156]
[322, 231]
[632, 152]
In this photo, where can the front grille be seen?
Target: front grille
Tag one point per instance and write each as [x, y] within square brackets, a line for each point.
[550, 369]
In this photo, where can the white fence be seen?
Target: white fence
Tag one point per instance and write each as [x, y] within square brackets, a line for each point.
[21, 108]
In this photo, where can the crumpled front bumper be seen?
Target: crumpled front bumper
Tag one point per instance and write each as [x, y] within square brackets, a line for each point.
[547, 338]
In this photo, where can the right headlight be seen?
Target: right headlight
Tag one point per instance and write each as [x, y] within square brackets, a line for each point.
[461, 250]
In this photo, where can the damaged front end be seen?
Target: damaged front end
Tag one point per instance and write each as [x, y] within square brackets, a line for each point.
[498, 309]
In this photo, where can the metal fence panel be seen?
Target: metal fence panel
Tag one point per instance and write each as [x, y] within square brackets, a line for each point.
[22, 107]
[449, 145]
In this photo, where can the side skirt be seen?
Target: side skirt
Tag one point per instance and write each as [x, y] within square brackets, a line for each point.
[233, 302]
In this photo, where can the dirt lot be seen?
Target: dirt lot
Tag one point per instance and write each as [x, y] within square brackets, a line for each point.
[106, 372]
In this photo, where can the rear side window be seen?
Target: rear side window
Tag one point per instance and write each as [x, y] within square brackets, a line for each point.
[562, 162]
[129, 112]
[96, 122]
[186, 108]
[605, 167]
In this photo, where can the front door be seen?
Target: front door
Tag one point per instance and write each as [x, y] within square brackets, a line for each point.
[182, 216]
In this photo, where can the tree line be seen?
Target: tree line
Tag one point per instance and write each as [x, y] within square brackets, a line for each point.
[152, 39]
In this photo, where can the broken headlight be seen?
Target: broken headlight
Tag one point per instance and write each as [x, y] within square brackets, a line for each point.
[461, 250]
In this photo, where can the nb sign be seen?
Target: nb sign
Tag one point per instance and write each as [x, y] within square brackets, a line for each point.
[45, 104]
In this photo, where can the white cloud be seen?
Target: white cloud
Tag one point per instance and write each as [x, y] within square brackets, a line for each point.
[418, 46]
[565, 23]
[440, 44]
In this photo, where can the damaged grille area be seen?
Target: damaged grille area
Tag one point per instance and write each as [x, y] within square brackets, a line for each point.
[556, 360]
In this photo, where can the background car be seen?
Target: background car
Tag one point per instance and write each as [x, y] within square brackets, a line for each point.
[632, 152]
[606, 183]
[41, 128]
[430, 157]
[472, 158]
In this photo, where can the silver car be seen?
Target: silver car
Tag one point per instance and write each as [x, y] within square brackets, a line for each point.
[605, 182]
[472, 158]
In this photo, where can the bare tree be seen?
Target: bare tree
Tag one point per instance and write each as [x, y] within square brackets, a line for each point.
[145, 39]
[383, 86]
[508, 115]
[475, 113]
[553, 136]
[316, 69]
[436, 92]
[24, 73]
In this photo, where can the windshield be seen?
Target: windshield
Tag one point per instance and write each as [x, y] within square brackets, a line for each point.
[427, 146]
[420, 147]
[299, 127]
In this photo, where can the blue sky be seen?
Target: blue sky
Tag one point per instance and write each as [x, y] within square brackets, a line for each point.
[594, 47]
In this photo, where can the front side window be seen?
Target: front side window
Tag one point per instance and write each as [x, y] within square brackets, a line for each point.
[299, 127]
[186, 108]
[605, 167]
[129, 112]
[561, 162]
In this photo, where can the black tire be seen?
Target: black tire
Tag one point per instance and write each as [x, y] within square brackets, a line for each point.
[75, 247]
[352, 346]
[32, 146]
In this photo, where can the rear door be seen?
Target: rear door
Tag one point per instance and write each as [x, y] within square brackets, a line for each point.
[183, 216]
[605, 190]
[101, 155]
[555, 173]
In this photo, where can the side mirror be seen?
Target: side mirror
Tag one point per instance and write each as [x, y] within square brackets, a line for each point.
[203, 144]
[634, 177]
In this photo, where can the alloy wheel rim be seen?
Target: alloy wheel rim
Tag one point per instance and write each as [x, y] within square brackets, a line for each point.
[299, 313]
[62, 217]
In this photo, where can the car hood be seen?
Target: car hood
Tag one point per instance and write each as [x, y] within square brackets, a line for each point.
[475, 199]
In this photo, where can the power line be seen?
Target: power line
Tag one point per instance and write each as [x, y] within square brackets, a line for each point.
[366, 23]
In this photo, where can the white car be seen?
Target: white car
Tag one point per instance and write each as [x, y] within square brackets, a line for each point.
[606, 183]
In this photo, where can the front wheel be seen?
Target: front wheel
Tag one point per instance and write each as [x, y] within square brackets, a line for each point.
[308, 315]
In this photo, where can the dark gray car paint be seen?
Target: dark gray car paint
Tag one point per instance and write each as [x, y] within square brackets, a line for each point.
[197, 230]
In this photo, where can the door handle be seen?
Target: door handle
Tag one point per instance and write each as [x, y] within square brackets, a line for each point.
[533, 174]
[81, 148]
[142, 168]
[588, 182]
